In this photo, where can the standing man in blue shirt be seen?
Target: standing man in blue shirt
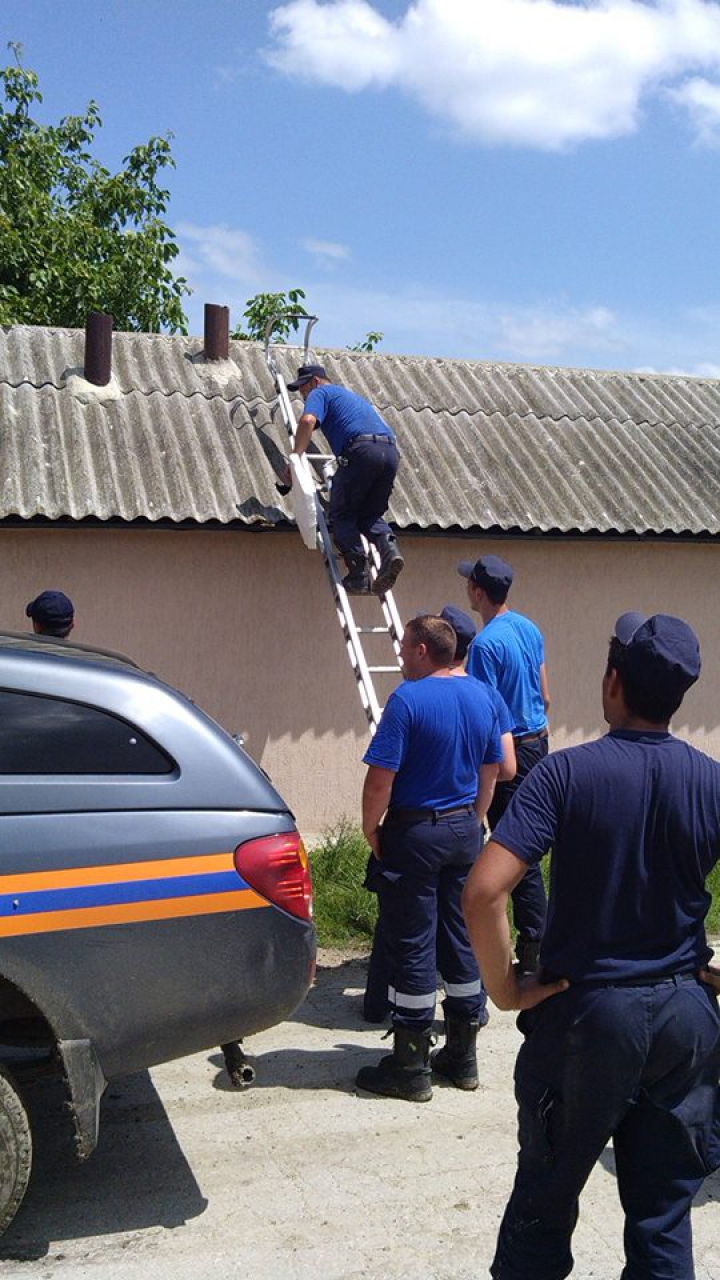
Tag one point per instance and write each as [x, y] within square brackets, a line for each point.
[368, 458]
[629, 1045]
[509, 655]
[432, 766]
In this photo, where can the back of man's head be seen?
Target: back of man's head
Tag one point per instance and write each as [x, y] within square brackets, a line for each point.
[493, 575]
[52, 614]
[436, 634]
[463, 626]
[657, 660]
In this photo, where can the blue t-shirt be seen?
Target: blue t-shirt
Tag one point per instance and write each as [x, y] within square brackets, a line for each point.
[435, 734]
[508, 654]
[343, 414]
[633, 821]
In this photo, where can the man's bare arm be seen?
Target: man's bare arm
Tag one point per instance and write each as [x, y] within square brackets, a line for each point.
[544, 688]
[375, 800]
[485, 898]
[486, 789]
[303, 435]
[508, 767]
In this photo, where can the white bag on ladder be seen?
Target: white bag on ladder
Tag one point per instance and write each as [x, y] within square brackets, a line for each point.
[303, 500]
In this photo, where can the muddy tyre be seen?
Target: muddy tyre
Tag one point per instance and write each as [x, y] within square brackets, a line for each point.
[15, 1149]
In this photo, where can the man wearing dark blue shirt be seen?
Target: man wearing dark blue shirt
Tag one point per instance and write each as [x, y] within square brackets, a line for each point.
[629, 1045]
[368, 459]
[509, 655]
[432, 765]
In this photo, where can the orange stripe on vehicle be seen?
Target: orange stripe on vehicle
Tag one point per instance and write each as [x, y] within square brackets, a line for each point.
[116, 873]
[130, 913]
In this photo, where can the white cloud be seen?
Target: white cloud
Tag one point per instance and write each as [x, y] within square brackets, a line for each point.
[541, 73]
[326, 252]
[701, 99]
[224, 251]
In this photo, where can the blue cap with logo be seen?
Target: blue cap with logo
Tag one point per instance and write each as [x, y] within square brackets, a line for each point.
[462, 625]
[661, 651]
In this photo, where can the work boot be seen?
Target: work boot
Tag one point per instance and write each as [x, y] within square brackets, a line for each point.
[457, 1060]
[357, 581]
[404, 1073]
[527, 951]
[391, 564]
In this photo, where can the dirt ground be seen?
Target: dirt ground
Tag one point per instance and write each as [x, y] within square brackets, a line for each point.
[299, 1177]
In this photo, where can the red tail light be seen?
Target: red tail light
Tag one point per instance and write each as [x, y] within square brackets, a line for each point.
[278, 868]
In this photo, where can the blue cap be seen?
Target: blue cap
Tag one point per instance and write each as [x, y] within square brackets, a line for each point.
[488, 571]
[661, 651]
[306, 373]
[463, 626]
[51, 608]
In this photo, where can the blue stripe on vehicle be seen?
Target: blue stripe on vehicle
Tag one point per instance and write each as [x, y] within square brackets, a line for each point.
[100, 895]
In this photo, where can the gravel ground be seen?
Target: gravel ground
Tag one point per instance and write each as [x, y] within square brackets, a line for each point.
[299, 1177]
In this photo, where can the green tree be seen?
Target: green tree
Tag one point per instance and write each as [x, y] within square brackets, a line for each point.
[369, 342]
[287, 307]
[75, 237]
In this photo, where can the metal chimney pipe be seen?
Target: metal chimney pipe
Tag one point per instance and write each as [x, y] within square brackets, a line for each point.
[217, 332]
[98, 348]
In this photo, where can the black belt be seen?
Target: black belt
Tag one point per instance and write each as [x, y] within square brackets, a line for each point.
[377, 437]
[531, 737]
[657, 980]
[427, 815]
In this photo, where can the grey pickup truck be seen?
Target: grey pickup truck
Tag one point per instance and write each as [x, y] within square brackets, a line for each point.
[155, 895]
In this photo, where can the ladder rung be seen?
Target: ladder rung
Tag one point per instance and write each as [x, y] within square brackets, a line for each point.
[373, 631]
[395, 668]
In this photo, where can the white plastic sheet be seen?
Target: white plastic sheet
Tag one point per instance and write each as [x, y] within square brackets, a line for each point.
[302, 498]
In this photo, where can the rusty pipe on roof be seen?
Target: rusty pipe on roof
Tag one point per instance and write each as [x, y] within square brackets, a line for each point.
[217, 332]
[98, 348]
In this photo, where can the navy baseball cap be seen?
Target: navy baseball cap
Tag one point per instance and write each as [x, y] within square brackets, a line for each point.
[306, 373]
[462, 625]
[52, 608]
[488, 571]
[661, 651]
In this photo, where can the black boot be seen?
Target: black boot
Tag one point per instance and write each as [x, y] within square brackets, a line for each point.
[357, 581]
[404, 1073]
[457, 1060]
[527, 951]
[391, 564]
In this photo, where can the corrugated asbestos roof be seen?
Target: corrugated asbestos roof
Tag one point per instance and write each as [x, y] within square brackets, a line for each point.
[488, 446]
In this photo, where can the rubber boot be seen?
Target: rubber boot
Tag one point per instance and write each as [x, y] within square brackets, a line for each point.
[404, 1073]
[527, 951]
[391, 564]
[457, 1060]
[357, 581]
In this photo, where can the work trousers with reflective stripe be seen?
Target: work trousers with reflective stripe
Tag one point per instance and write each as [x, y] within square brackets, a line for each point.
[419, 881]
[636, 1064]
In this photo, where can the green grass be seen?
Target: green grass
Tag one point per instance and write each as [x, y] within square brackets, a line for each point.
[344, 912]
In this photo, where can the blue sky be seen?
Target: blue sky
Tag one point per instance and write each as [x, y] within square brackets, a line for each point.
[518, 180]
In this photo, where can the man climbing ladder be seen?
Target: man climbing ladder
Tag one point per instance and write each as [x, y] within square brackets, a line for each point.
[367, 456]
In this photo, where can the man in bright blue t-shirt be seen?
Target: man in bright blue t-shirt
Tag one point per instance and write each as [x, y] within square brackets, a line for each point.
[432, 765]
[509, 655]
[367, 455]
[628, 1046]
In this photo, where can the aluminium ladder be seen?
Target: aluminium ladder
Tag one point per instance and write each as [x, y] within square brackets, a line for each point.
[354, 633]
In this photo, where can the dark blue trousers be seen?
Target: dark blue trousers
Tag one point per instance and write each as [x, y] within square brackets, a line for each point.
[528, 898]
[419, 881]
[360, 493]
[639, 1065]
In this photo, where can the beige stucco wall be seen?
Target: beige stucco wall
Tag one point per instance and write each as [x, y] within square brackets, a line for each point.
[246, 625]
